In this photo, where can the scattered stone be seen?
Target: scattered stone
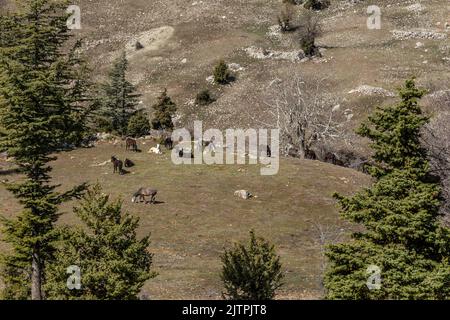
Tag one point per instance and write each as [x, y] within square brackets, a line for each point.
[260, 53]
[418, 45]
[369, 90]
[235, 67]
[418, 34]
[184, 61]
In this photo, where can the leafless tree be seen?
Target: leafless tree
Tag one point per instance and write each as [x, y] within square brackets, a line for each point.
[305, 114]
[308, 30]
[323, 236]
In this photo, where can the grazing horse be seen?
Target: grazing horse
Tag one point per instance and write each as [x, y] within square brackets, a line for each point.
[144, 192]
[128, 163]
[168, 143]
[131, 144]
[118, 165]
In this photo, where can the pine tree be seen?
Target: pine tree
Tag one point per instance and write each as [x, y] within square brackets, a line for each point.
[113, 263]
[164, 110]
[251, 272]
[138, 125]
[120, 97]
[221, 73]
[39, 108]
[402, 236]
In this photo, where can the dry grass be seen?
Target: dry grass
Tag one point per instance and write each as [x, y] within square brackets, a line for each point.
[199, 215]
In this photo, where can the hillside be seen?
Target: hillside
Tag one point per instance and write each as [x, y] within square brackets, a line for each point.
[197, 214]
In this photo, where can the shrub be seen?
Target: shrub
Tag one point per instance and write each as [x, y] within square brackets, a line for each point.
[309, 29]
[285, 18]
[252, 271]
[317, 4]
[138, 45]
[204, 98]
[138, 125]
[221, 73]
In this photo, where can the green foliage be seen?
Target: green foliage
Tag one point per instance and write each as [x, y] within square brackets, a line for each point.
[42, 109]
[114, 264]
[204, 98]
[138, 125]
[164, 110]
[120, 98]
[252, 271]
[221, 73]
[402, 233]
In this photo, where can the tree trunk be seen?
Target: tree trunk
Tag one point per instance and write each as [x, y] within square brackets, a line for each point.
[36, 276]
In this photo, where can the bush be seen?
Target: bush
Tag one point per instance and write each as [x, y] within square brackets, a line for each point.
[317, 4]
[285, 18]
[308, 30]
[138, 125]
[221, 73]
[103, 124]
[251, 272]
[138, 45]
[204, 98]
[164, 110]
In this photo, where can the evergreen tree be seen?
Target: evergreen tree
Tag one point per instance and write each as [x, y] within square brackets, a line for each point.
[221, 73]
[402, 235]
[138, 125]
[251, 272]
[164, 110]
[40, 104]
[120, 97]
[113, 263]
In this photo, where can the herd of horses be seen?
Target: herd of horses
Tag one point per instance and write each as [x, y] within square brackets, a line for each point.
[118, 167]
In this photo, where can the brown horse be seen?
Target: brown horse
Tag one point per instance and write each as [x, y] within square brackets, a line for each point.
[144, 192]
[118, 165]
[131, 144]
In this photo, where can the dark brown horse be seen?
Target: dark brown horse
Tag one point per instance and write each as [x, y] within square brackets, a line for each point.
[118, 165]
[144, 192]
[131, 144]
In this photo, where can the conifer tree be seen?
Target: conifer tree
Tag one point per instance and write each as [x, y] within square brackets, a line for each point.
[251, 272]
[402, 237]
[113, 263]
[40, 104]
[164, 110]
[120, 97]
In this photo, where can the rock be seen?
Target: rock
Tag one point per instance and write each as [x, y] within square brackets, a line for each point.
[184, 61]
[418, 45]
[244, 194]
[418, 34]
[369, 90]
[260, 53]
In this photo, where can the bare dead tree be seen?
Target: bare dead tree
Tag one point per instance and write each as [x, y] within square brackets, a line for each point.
[305, 114]
[323, 236]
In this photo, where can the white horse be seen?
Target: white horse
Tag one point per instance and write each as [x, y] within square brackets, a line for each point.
[156, 149]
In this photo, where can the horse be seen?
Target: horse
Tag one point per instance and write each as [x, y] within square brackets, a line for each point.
[156, 149]
[128, 163]
[168, 143]
[131, 144]
[144, 192]
[118, 165]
